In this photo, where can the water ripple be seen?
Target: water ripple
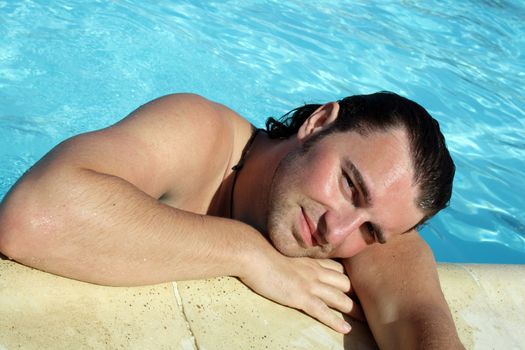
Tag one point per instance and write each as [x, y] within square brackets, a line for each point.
[73, 66]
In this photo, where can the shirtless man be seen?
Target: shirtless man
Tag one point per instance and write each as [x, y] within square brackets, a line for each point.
[184, 188]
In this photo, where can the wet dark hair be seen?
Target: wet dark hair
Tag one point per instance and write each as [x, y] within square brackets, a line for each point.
[433, 166]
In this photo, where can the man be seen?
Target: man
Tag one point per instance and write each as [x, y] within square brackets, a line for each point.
[184, 188]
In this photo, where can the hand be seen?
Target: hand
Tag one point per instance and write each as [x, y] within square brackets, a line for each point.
[313, 285]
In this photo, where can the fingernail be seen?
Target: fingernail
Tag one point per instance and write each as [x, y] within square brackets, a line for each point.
[347, 328]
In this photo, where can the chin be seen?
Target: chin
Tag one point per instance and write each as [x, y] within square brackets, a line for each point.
[295, 253]
[294, 250]
[283, 246]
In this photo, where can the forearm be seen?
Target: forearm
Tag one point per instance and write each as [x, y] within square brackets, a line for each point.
[411, 320]
[399, 290]
[101, 229]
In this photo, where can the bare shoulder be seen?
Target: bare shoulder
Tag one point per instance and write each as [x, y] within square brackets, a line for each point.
[174, 144]
[186, 132]
[187, 115]
[195, 141]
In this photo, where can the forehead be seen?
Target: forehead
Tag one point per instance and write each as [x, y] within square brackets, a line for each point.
[388, 150]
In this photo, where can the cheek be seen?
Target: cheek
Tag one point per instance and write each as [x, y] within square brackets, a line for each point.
[319, 174]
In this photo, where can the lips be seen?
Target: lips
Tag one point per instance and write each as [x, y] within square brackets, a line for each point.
[308, 230]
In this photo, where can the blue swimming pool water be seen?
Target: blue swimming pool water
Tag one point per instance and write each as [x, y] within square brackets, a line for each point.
[72, 66]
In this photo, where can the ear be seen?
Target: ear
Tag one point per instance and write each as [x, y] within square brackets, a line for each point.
[318, 120]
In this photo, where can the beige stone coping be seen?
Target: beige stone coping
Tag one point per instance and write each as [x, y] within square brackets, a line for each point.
[487, 303]
[43, 311]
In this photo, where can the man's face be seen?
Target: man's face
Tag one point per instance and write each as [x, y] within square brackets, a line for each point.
[345, 192]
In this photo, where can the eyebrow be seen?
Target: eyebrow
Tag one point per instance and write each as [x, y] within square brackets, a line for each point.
[363, 188]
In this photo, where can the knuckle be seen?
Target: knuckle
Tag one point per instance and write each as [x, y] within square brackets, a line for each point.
[339, 266]
[313, 306]
[347, 284]
[343, 303]
[348, 305]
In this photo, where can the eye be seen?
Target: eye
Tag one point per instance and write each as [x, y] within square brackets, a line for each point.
[348, 181]
[348, 187]
[371, 231]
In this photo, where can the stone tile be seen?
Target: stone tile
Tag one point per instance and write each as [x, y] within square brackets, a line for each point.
[43, 311]
[224, 314]
[487, 303]
[459, 289]
[504, 287]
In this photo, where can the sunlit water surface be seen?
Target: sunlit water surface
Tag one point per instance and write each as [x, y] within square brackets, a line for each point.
[71, 66]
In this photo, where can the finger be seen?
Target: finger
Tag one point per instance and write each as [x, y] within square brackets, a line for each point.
[357, 312]
[334, 298]
[336, 279]
[341, 302]
[331, 264]
[319, 310]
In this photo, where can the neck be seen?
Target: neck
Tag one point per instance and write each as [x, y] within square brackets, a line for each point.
[254, 180]
[238, 167]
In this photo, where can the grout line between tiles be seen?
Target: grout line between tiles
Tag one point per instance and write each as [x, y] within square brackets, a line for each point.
[474, 277]
[181, 305]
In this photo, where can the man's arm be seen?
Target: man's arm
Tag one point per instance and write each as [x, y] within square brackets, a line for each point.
[90, 210]
[398, 286]
[99, 228]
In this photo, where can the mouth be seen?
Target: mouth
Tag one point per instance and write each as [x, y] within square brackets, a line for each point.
[308, 230]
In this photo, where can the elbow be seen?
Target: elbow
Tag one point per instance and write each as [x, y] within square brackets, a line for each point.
[23, 232]
[13, 235]
[9, 235]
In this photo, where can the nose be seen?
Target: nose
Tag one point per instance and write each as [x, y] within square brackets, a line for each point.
[340, 224]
